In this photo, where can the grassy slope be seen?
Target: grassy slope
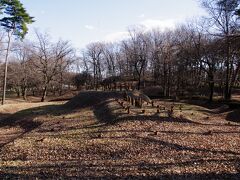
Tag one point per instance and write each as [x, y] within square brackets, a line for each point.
[92, 136]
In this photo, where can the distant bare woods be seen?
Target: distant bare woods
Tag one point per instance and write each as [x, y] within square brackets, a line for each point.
[198, 58]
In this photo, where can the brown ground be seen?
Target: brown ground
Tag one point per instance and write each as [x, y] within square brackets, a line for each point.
[92, 136]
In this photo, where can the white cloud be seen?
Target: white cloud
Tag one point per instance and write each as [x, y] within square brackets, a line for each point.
[89, 27]
[147, 25]
[117, 36]
[142, 16]
[161, 24]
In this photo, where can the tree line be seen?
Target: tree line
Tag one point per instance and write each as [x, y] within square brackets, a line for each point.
[198, 58]
[40, 67]
[201, 57]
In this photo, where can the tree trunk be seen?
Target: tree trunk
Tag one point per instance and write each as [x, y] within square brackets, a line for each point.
[139, 82]
[33, 92]
[227, 95]
[18, 92]
[24, 93]
[233, 80]
[211, 84]
[61, 84]
[44, 94]
[164, 79]
[211, 88]
[6, 68]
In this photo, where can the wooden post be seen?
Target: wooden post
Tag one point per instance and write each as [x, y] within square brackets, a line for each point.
[140, 102]
[152, 104]
[158, 110]
[170, 112]
[135, 102]
[128, 109]
[121, 103]
[180, 107]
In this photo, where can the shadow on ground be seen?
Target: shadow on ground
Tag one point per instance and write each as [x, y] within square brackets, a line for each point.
[98, 102]
[105, 114]
[81, 171]
[25, 119]
[234, 116]
[218, 107]
[3, 116]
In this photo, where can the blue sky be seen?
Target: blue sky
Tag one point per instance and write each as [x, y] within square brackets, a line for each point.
[85, 21]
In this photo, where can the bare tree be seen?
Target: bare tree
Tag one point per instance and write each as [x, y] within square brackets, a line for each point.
[94, 54]
[51, 59]
[137, 50]
[224, 23]
[109, 57]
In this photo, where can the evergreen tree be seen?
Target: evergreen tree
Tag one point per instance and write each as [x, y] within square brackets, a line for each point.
[14, 21]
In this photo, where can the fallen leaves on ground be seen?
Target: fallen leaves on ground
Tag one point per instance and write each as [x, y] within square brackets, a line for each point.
[100, 140]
